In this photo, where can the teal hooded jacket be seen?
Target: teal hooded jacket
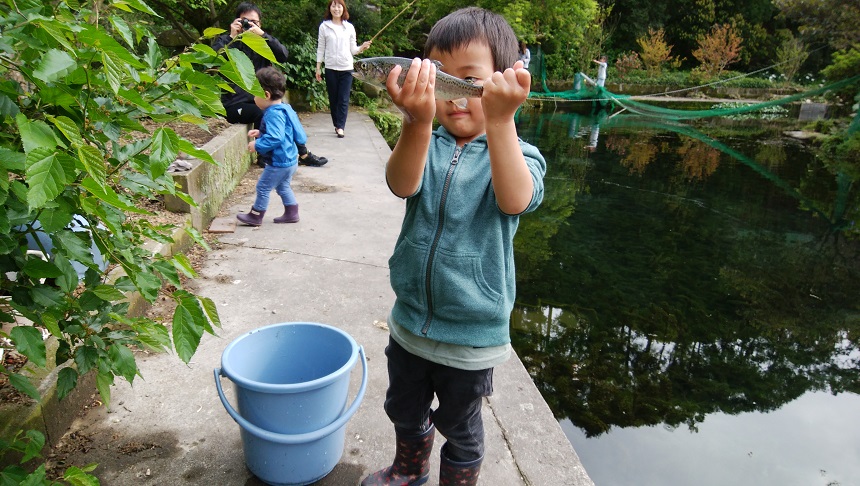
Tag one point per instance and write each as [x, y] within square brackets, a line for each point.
[452, 269]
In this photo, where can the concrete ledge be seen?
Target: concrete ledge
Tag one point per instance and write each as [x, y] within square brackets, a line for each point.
[50, 416]
[208, 184]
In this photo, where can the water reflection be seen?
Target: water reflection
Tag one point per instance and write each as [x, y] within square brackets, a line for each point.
[679, 272]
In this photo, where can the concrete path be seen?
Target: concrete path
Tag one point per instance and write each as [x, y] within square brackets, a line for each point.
[170, 428]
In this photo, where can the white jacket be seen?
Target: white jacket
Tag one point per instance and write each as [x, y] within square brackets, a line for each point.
[336, 45]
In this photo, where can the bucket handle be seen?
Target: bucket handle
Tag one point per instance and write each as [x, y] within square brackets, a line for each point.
[296, 438]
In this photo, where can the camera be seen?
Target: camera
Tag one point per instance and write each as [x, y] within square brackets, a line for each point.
[246, 24]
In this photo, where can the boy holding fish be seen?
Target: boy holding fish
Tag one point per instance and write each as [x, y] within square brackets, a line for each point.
[452, 270]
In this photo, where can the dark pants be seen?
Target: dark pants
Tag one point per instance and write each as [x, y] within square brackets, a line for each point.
[338, 84]
[412, 382]
[251, 113]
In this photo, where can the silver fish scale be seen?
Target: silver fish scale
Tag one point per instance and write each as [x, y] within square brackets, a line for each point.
[374, 71]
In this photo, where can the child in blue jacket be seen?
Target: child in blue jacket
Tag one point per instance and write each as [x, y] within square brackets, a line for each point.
[452, 269]
[275, 144]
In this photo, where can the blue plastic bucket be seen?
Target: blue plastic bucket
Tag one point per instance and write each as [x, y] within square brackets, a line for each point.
[292, 381]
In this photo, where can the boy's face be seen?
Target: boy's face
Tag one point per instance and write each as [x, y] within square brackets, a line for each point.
[473, 62]
[263, 103]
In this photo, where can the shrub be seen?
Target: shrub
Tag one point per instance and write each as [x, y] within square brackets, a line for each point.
[717, 49]
[627, 63]
[656, 52]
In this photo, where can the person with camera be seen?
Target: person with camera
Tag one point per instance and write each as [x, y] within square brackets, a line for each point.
[239, 104]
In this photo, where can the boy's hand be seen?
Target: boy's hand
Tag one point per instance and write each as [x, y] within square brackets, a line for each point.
[253, 133]
[416, 98]
[505, 92]
[252, 146]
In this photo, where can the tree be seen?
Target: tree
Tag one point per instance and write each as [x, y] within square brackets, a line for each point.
[656, 52]
[719, 48]
[77, 81]
[832, 21]
[790, 56]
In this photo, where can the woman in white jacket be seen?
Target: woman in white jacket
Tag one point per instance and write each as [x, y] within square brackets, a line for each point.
[336, 45]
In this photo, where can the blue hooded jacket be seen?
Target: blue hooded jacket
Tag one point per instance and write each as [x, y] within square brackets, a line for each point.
[280, 131]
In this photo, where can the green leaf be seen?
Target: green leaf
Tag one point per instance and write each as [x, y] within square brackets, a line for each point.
[137, 5]
[108, 195]
[153, 335]
[96, 38]
[181, 263]
[243, 71]
[23, 385]
[68, 279]
[104, 380]
[136, 98]
[68, 128]
[51, 323]
[258, 45]
[168, 272]
[55, 64]
[210, 310]
[7, 106]
[187, 328]
[79, 477]
[209, 33]
[122, 361]
[47, 175]
[163, 151]
[38, 268]
[29, 342]
[47, 296]
[123, 30]
[148, 285]
[58, 31]
[153, 54]
[74, 246]
[35, 444]
[93, 163]
[67, 380]
[35, 134]
[108, 293]
[114, 69]
[86, 358]
[190, 149]
[12, 161]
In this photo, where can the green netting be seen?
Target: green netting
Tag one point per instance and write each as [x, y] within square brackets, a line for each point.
[603, 98]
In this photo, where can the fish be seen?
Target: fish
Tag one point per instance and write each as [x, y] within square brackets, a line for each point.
[375, 70]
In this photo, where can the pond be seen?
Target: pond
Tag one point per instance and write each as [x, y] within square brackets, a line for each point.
[689, 300]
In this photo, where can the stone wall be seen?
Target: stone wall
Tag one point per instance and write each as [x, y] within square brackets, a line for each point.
[208, 184]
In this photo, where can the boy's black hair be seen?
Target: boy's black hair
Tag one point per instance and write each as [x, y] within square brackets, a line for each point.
[272, 80]
[473, 24]
[247, 7]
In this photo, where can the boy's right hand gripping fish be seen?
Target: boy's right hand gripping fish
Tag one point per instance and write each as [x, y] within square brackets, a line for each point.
[375, 70]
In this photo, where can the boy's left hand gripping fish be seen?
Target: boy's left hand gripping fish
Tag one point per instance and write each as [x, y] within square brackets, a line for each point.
[375, 70]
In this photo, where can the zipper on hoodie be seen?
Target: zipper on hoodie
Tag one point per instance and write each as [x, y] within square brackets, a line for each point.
[436, 238]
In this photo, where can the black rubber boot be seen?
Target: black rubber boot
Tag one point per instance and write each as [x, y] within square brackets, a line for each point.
[460, 473]
[411, 462]
[252, 217]
[291, 214]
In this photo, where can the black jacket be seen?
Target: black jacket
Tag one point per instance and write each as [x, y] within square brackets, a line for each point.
[242, 96]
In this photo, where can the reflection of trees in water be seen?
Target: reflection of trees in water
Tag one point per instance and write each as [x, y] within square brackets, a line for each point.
[698, 160]
[656, 306]
[767, 326]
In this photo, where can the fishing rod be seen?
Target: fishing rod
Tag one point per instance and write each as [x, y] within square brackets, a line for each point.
[392, 20]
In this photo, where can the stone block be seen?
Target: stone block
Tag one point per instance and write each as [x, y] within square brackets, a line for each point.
[209, 184]
[812, 111]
